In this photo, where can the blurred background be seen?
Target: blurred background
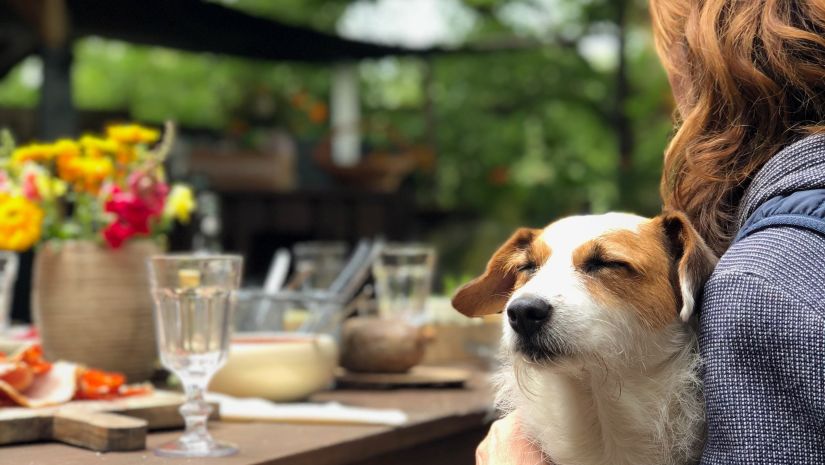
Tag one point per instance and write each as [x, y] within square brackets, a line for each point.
[443, 121]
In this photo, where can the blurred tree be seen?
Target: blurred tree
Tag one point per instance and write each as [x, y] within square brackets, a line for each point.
[571, 115]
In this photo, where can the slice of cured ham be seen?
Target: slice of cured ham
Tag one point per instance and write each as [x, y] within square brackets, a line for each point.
[28, 380]
[16, 374]
[54, 387]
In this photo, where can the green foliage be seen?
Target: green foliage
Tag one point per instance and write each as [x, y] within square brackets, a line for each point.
[196, 89]
[20, 87]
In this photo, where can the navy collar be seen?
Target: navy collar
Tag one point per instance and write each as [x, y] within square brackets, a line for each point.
[798, 167]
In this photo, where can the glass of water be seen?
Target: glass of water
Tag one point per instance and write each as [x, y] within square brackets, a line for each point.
[319, 263]
[8, 275]
[403, 279]
[194, 296]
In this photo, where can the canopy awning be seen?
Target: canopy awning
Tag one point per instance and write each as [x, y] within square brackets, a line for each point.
[199, 26]
[191, 25]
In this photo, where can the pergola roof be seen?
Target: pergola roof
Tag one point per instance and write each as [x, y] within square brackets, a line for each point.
[200, 26]
[192, 25]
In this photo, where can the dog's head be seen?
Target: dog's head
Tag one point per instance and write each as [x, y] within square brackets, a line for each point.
[591, 284]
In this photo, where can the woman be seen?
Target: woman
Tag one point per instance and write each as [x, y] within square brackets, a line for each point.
[748, 77]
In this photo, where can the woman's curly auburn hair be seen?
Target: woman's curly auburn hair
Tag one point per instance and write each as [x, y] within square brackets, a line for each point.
[750, 79]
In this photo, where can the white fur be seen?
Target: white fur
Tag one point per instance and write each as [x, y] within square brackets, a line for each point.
[687, 298]
[628, 395]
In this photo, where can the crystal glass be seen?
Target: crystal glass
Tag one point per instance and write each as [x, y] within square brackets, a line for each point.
[8, 275]
[287, 311]
[403, 278]
[319, 263]
[194, 296]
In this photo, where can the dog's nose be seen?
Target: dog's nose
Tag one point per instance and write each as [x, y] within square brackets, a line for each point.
[527, 314]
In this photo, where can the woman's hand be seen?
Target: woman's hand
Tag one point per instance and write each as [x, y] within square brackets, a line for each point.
[506, 444]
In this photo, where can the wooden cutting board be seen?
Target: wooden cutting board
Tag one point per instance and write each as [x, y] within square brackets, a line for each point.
[112, 425]
[418, 377]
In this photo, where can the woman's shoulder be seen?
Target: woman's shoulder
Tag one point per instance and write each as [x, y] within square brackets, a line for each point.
[780, 260]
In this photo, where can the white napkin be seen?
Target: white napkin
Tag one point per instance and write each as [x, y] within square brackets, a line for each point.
[256, 409]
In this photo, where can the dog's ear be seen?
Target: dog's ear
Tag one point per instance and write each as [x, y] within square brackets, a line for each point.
[488, 293]
[693, 261]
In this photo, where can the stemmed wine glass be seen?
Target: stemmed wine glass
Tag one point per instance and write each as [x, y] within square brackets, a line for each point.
[194, 297]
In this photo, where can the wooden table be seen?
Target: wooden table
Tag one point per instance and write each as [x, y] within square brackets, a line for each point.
[444, 427]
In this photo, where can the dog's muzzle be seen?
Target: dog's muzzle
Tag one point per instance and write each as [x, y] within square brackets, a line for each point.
[527, 314]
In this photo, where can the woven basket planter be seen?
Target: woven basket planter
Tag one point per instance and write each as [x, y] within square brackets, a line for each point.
[92, 305]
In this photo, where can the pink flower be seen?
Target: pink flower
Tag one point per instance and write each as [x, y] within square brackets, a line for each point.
[150, 189]
[5, 181]
[29, 186]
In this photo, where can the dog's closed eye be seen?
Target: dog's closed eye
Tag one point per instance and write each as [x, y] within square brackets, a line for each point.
[599, 259]
[599, 263]
[527, 268]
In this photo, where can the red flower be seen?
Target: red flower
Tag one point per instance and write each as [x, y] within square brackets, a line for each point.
[134, 209]
[131, 210]
[117, 233]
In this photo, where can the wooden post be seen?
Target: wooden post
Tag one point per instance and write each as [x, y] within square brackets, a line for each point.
[346, 115]
[430, 118]
[56, 113]
[621, 121]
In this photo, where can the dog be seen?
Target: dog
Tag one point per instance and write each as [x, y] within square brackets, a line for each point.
[598, 349]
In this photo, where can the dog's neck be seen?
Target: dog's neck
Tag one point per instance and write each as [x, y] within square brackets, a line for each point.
[597, 414]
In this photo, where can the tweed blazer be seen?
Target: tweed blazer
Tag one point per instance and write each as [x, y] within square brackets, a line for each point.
[762, 322]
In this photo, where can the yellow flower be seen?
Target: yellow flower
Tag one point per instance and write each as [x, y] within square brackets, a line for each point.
[65, 148]
[20, 223]
[132, 134]
[93, 173]
[50, 188]
[38, 153]
[97, 147]
[180, 203]
[37, 184]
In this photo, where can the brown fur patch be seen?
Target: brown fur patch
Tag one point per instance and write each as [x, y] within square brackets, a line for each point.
[536, 253]
[644, 285]
[694, 259]
[489, 292]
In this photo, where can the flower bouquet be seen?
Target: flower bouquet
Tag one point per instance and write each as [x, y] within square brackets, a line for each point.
[96, 207]
[108, 189]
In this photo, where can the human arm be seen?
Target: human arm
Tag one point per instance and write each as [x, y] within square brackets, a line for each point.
[506, 444]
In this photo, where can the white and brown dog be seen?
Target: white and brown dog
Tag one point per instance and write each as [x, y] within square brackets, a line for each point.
[599, 356]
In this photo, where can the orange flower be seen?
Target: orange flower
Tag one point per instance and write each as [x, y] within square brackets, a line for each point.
[318, 113]
[68, 167]
[300, 99]
[87, 174]
[125, 154]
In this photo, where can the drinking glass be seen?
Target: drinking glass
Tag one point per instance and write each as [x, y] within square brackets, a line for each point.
[403, 278]
[8, 275]
[319, 262]
[194, 296]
